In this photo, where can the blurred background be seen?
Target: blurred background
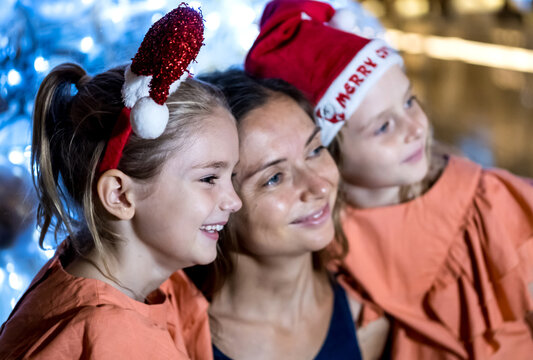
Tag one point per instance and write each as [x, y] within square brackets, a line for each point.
[470, 61]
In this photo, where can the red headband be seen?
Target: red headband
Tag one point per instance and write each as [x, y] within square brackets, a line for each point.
[115, 145]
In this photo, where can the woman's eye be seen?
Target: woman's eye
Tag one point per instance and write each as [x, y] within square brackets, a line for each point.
[274, 180]
[410, 102]
[383, 128]
[316, 152]
[209, 179]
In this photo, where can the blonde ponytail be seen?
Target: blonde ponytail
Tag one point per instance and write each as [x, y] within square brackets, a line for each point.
[50, 123]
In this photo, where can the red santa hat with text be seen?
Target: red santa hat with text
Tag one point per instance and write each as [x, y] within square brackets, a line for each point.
[308, 44]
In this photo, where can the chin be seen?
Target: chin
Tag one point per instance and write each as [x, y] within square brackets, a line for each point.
[207, 256]
[418, 173]
[322, 241]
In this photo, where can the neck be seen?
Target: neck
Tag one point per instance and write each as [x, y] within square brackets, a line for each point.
[129, 267]
[289, 289]
[362, 197]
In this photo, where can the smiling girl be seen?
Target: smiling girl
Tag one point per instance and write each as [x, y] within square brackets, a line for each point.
[442, 245]
[140, 179]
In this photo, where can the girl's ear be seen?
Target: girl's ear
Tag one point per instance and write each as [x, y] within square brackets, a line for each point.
[115, 190]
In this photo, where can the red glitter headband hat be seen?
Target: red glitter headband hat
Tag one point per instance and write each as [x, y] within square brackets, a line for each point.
[156, 71]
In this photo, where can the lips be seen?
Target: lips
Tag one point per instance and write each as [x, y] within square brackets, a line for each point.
[211, 230]
[315, 218]
[415, 156]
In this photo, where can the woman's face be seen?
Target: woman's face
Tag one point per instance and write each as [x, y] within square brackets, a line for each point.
[287, 182]
[384, 141]
[183, 209]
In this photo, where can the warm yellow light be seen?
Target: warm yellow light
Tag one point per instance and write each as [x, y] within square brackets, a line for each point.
[375, 7]
[476, 6]
[471, 52]
[411, 8]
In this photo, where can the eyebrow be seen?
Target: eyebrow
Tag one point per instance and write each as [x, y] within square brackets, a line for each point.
[212, 165]
[313, 134]
[263, 167]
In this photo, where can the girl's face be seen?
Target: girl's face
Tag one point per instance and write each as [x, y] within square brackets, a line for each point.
[384, 141]
[181, 211]
[287, 182]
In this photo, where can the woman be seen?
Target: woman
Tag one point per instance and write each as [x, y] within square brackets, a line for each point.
[272, 296]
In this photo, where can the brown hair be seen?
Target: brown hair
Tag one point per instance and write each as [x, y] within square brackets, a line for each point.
[70, 132]
[244, 94]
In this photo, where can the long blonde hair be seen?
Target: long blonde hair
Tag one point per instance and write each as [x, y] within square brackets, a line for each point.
[70, 132]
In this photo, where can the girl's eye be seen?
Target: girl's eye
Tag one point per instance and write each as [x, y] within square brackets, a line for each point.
[274, 180]
[410, 102]
[383, 128]
[317, 151]
[209, 179]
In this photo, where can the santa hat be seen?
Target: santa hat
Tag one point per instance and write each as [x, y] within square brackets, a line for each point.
[156, 71]
[307, 44]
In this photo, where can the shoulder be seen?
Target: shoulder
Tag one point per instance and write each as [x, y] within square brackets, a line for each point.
[192, 317]
[503, 194]
[93, 332]
[184, 294]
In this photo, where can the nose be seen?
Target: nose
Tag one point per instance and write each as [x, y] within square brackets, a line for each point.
[231, 201]
[313, 185]
[415, 130]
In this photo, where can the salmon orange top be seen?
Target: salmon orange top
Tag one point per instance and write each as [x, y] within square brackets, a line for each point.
[65, 317]
[452, 267]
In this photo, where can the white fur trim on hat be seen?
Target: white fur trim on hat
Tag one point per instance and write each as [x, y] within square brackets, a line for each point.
[148, 119]
[344, 19]
[175, 85]
[350, 87]
[135, 87]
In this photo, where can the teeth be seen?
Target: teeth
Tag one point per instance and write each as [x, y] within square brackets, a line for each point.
[212, 228]
[317, 215]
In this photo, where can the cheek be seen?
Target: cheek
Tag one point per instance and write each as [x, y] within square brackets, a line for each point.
[329, 170]
[374, 160]
[359, 154]
[196, 206]
[265, 211]
[260, 223]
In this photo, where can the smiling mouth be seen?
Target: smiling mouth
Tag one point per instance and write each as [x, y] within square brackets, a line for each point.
[212, 228]
[316, 218]
[416, 156]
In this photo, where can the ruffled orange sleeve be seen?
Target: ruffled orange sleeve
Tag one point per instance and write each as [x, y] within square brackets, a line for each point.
[452, 266]
[481, 294]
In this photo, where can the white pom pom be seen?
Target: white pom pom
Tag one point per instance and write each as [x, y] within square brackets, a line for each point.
[148, 119]
[344, 19]
[135, 87]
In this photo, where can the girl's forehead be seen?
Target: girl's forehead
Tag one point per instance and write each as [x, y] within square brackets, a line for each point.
[387, 91]
[215, 142]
